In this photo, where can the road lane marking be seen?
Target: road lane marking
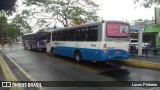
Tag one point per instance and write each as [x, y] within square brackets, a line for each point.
[149, 62]
[22, 70]
[143, 64]
[6, 70]
[8, 73]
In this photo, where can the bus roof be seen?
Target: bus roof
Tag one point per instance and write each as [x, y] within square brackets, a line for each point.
[86, 24]
[34, 33]
[71, 27]
[29, 33]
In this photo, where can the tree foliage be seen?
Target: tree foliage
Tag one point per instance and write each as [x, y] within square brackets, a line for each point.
[66, 11]
[11, 28]
[12, 31]
[147, 3]
[3, 23]
[37, 16]
[21, 24]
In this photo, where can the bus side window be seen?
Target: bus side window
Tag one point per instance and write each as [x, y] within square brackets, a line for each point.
[48, 37]
[31, 37]
[92, 33]
[58, 36]
[80, 36]
[71, 35]
[53, 36]
[64, 35]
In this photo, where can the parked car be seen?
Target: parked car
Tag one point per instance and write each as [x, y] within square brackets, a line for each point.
[134, 42]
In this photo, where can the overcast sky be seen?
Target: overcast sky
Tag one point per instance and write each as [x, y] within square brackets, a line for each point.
[123, 10]
[114, 10]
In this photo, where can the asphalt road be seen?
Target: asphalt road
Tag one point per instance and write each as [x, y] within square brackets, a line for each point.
[43, 67]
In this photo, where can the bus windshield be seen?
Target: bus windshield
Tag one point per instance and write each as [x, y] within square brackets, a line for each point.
[42, 35]
[117, 29]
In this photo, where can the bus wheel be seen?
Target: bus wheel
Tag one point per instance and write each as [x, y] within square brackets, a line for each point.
[24, 46]
[52, 51]
[31, 47]
[78, 56]
[44, 49]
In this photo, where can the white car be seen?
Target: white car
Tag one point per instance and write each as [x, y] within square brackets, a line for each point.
[134, 42]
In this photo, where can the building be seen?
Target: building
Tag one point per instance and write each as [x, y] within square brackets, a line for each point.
[151, 31]
[152, 34]
[135, 26]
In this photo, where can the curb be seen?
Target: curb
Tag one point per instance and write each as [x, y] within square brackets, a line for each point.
[8, 73]
[148, 57]
[143, 64]
[6, 70]
[22, 70]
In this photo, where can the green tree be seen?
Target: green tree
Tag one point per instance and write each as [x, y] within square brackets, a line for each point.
[3, 20]
[36, 15]
[66, 11]
[21, 24]
[3, 23]
[12, 31]
[16, 26]
[147, 3]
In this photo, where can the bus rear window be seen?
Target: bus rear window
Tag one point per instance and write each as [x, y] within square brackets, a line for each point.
[134, 41]
[42, 35]
[117, 30]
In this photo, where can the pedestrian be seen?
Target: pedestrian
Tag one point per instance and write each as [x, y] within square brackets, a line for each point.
[146, 50]
[2, 45]
[10, 44]
[133, 50]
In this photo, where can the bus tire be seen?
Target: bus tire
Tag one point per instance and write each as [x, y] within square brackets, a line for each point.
[78, 56]
[31, 47]
[24, 46]
[52, 51]
[44, 49]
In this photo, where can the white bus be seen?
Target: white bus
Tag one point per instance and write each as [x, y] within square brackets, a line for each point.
[34, 41]
[100, 41]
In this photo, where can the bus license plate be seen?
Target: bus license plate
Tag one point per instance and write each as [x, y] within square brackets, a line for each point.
[117, 51]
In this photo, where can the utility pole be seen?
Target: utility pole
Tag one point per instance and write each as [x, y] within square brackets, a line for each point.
[139, 42]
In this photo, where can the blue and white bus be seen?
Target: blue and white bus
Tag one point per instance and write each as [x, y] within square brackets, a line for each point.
[34, 41]
[100, 41]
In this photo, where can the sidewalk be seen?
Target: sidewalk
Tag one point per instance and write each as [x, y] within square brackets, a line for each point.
[6, 74]
[151, 61]
[2, 77]
[150, 57]
[10, 72]
[14, 45]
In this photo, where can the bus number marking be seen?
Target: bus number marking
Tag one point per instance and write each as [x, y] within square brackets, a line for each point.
[110, 48]
[93, 45]
[56, 43]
